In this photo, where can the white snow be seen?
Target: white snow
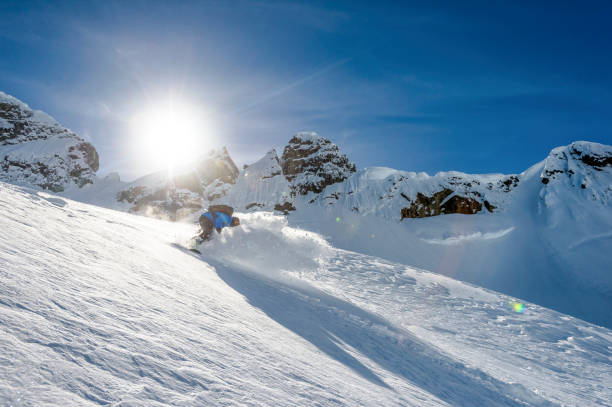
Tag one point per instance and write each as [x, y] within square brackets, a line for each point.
[6, 98]
[99, 307]
[36, 115]
[5, 124]
[457, 239]
[260, 186]
[309, 136]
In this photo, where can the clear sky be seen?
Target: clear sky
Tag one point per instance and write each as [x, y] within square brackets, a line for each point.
[422, 86]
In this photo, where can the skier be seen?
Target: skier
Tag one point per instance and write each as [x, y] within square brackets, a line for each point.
[217, 217]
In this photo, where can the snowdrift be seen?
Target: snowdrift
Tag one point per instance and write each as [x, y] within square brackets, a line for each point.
[105, 308]
[266, 245]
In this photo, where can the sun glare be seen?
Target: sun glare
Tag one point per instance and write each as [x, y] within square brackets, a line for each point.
[171, 134]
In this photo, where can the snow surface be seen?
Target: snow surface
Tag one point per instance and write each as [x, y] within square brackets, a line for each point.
[6, 98]
[99, 307]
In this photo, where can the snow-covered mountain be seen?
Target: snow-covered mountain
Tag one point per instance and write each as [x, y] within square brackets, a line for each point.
[183, 192]
[167, 195]
[541, 235]
[36, 150]
[100, 307]
[309, 164]
[313, 170]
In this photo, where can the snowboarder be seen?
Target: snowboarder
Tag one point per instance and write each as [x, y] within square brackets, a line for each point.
[217, 217]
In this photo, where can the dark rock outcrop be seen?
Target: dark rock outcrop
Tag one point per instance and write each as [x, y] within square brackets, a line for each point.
[285, 208]
[254, 205]
[489, 207]
[311, 163]
[36, 150]
[595, 160]
[440, 203]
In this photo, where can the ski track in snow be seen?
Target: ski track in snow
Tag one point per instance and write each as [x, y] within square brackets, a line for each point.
[104, 308]
[588, 239]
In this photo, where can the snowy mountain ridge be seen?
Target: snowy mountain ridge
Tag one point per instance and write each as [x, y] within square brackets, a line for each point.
[36, 150]
[541, 235]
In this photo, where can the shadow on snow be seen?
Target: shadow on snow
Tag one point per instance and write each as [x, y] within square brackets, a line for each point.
[332, 325]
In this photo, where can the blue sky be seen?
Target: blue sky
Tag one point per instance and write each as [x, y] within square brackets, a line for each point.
[413, 86]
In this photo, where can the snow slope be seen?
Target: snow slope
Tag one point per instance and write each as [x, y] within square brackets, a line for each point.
[106, 308]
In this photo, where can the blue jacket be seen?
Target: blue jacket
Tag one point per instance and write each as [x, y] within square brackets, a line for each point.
[220, 220]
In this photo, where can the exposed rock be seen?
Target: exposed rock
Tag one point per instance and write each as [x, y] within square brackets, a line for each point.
[489, 207]
[90, 155]
[254, 205]
[311, 163]
[440, 203]
[462, 205]
[131, 194]
[36, 150]
[576, 162]
[510, 183]
[285, 208]
[595, 160]
[188, 191]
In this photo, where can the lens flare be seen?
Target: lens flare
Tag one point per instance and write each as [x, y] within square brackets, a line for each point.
[517, 307]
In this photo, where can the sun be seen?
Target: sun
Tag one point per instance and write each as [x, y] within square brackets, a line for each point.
[172, 133]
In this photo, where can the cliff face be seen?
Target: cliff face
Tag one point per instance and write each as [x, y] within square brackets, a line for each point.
[36, 150]
[443, 202]
[313, 171]
[311, 163]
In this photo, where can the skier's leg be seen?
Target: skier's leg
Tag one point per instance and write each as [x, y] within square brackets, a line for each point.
[207, 228]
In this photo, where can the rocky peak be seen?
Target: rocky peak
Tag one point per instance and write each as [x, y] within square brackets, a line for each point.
[579, 161]
[311, 163]
[581, 166]
[184, 192]
[261, 186]
[36, 150]
[266, 167]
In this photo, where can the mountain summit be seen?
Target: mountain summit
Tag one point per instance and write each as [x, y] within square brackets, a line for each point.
[311, 163]
[36, 150]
